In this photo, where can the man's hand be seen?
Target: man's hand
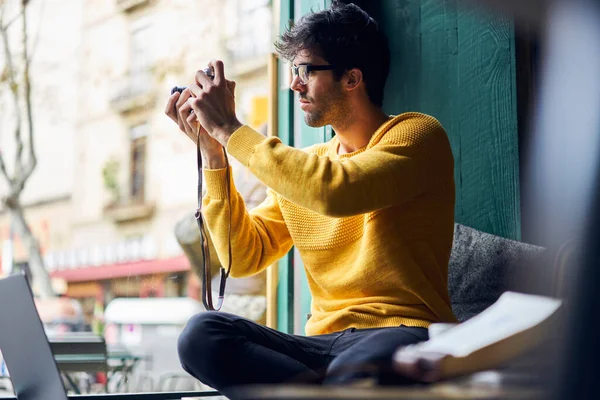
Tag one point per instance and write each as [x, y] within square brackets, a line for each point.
[180, 111]
[214, 103]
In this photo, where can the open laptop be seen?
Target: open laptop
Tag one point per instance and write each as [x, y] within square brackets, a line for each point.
[24, 344]
[26, 351]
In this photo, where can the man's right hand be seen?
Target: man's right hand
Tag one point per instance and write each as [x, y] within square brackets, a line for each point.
[181, 113]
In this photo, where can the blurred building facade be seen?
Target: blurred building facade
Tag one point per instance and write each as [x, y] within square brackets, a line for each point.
[115, 175]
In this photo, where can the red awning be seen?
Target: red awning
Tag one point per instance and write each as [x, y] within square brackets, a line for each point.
[137, 268]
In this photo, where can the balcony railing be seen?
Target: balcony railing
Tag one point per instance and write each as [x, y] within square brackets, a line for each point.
[129, 211]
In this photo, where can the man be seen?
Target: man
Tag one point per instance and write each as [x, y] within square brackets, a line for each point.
[371, 213]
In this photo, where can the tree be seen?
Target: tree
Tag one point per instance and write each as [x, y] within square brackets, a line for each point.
[14, 76]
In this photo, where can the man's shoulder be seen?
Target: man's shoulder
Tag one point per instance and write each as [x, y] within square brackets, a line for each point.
[411, 128]
[416, 117]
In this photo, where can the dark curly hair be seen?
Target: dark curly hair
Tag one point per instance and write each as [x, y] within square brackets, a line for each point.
[347, 37]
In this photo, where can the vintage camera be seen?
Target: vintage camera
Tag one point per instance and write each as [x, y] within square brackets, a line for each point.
[208, 71]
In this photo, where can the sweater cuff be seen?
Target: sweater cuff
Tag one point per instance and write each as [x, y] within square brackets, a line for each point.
[215, 181]
[243, 142]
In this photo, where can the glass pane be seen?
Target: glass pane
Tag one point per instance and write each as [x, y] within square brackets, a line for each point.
[112, 199]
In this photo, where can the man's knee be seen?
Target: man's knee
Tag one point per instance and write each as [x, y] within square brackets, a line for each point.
[371, 357]
[202, 336]
[350, 367]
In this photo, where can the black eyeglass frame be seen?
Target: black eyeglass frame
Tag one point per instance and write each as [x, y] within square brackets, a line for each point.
[296, 73]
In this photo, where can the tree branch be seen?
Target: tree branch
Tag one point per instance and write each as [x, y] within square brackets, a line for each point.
[36, 39]
[9, 23]
[14, 89]
[4, 171]
[32, 161]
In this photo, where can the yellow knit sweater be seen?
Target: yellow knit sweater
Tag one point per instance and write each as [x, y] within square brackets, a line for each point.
[374, 227]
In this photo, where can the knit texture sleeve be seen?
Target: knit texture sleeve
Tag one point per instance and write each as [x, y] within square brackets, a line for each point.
[403, 160]
[258, 237]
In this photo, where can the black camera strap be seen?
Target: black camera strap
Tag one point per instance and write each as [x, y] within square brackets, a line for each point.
[205, 270]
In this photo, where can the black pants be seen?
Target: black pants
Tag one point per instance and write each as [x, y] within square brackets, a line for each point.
[225, 351]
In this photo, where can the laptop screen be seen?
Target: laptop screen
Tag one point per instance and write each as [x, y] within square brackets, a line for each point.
[24, 344]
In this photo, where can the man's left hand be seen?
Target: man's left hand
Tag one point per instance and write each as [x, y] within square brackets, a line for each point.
[213, 103]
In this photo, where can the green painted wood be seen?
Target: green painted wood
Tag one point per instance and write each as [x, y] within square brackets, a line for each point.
[285, 287]
[487, 120]
[459, 66]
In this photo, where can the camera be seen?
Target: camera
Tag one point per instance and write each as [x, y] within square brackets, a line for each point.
[208, 71]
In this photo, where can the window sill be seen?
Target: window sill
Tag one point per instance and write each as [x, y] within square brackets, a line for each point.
[125, 212]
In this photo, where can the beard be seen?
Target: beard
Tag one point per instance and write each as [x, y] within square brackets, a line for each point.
[315, 119]
[330, 108]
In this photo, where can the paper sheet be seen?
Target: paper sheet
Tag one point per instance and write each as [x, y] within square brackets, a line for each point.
[512, 313]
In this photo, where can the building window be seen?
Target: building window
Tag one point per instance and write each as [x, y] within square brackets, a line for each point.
[138, 139]
[141, 57]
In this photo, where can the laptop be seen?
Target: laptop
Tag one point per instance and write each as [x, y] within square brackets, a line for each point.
[24, 344]
[26, 351]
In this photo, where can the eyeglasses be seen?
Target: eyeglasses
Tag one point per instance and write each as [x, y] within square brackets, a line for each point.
[303, 70]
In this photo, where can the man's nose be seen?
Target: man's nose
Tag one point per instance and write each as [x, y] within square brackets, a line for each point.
[296, 85]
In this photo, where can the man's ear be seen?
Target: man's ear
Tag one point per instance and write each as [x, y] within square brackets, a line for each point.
[353, 79]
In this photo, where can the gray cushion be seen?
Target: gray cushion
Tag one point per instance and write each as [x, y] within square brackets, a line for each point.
[481, 265]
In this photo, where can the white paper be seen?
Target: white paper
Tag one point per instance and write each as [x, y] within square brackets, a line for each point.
[510, 314]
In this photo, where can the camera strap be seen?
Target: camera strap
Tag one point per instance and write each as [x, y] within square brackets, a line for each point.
[205, 270]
